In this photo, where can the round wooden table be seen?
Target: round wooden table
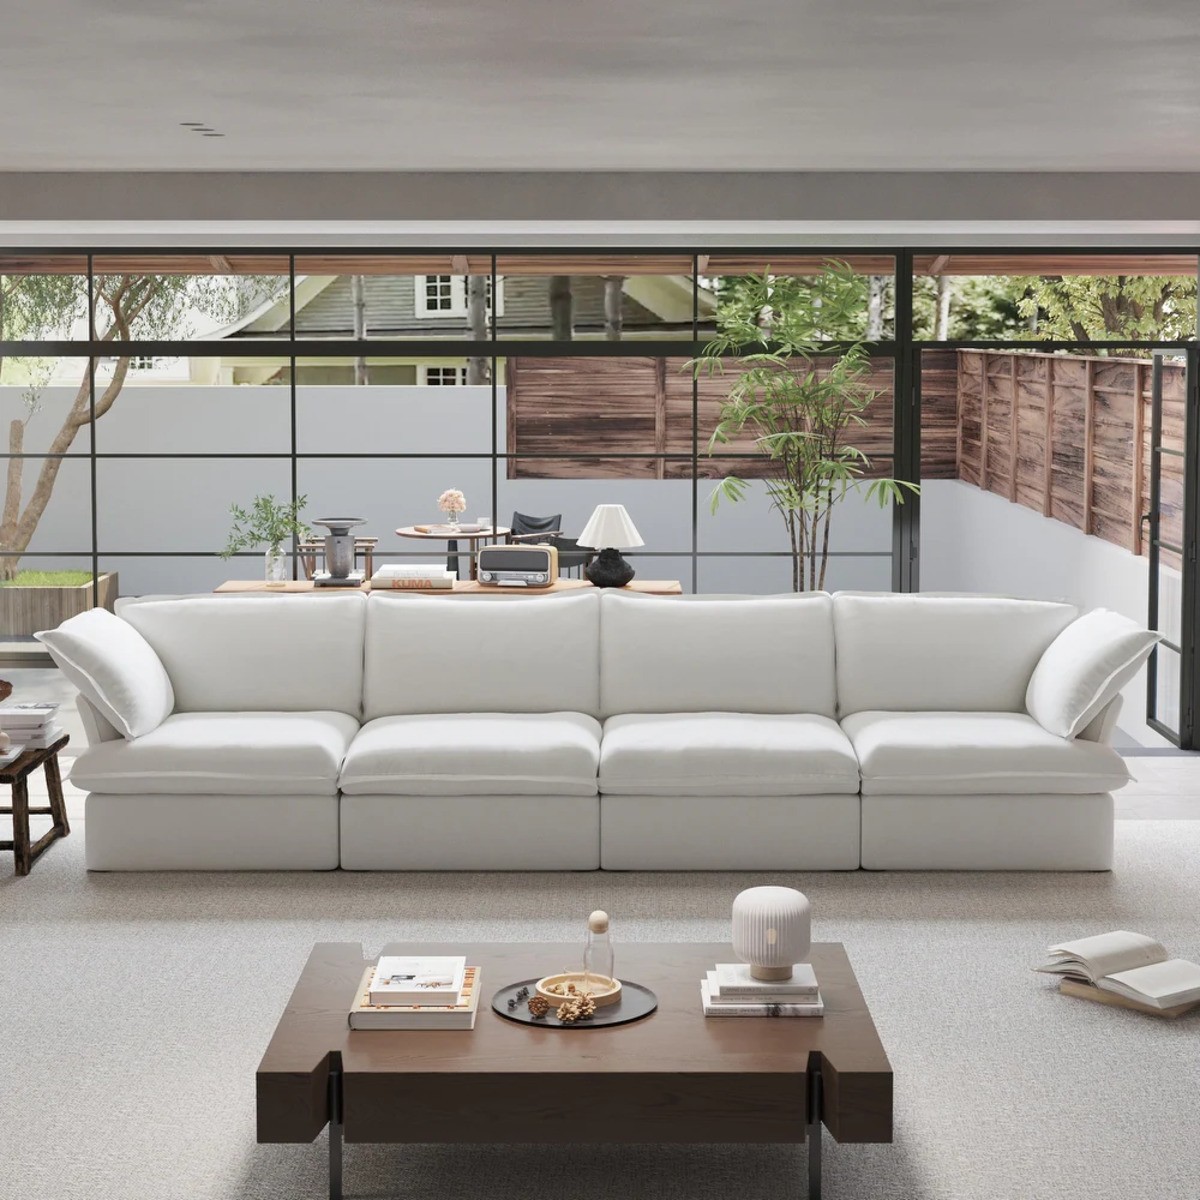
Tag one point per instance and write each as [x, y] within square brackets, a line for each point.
[452, 553]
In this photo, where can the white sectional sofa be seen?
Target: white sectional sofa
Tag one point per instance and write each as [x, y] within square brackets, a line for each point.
[594, 730]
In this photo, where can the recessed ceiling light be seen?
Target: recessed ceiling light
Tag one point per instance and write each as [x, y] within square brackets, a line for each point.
[193, 124]
[211, 134]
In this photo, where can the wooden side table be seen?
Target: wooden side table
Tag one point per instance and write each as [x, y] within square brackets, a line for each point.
[16, 774]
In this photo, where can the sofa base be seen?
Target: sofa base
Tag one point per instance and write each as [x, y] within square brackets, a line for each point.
[729, 833]
[988, 833]
[470, 833]
[210, 833]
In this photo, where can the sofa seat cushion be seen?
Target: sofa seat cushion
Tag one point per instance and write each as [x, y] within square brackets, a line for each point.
[245, 753]
[475, 754]
[725, 754]
[945, 753]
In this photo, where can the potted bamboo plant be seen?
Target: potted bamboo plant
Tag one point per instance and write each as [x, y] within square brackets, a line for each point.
[799, 371]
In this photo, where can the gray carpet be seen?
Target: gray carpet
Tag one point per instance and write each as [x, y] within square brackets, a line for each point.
[135, 1009]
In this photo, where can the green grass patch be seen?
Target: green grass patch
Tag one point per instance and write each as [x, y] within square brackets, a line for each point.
[48, 579]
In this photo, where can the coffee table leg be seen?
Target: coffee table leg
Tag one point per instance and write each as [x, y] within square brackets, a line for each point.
[20, 820]
[335, 1132]
[812, 1134]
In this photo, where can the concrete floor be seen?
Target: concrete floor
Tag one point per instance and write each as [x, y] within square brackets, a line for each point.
[1166, 786]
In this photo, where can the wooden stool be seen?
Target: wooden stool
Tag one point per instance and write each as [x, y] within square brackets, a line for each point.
[16, 773]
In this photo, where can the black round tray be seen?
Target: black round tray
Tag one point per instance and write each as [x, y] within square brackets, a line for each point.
[635, 1003]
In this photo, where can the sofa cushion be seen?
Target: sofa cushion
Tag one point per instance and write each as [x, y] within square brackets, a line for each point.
[942, 753]
[249, 753]
[1084, 668]
[771, 655]
[258, 653]
[475, 754]
[429, 654]
[725, 754]
[940, 653]
[114, 668]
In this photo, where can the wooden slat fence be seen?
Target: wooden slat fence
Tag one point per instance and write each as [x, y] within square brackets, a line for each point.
[622, 407]
[1069, 436]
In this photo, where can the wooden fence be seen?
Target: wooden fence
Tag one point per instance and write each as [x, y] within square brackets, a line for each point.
[1069, 436]
[638, 413]
[1066, 435]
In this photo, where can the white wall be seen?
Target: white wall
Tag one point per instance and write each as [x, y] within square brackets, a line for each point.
[976, 541]
[157, 504]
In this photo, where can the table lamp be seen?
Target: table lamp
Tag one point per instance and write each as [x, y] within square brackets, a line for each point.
[610, 531]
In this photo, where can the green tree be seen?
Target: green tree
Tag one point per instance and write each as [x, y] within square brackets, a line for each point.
[128, 308]
[1087, 308]
[799, 401]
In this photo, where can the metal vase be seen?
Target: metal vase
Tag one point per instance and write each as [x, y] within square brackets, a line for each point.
[339, 544]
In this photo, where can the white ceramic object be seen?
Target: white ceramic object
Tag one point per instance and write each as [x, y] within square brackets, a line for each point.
[772, 930]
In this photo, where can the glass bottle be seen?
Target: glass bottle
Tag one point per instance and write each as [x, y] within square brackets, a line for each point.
[598, 954]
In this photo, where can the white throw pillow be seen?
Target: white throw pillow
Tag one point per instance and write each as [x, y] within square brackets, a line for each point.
[115, 669]
[1084, 668]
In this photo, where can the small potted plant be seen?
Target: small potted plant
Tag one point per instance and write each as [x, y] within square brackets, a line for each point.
[452, 502]
[268, 523]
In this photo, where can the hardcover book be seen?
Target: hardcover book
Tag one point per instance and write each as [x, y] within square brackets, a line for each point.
[1130, 965]
[735, 980]
[417, 981]
[812, 1006]
[460, 1015]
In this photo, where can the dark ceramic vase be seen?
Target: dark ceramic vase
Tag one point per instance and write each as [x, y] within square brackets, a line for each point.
[609, 569]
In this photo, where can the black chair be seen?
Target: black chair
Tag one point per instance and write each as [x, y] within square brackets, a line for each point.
[527, 530]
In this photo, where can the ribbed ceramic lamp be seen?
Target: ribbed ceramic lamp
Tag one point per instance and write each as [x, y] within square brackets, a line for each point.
[772, 930]
[610, 531]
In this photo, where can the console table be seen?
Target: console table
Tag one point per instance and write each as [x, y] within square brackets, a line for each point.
[463, 587]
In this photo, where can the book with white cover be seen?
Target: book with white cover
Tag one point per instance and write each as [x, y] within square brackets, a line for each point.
[409, 571]
[29, 715]
[39, 739]
[735, 980]
[1128, 964]
[813, 1006]
[459, 1015]
[416, 981]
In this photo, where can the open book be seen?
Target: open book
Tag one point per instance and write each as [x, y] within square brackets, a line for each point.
[1127, 964]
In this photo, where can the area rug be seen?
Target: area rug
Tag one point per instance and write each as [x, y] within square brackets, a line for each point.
[134, 1010]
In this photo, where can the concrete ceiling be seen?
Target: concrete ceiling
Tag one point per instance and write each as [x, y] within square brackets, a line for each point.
[612, 85]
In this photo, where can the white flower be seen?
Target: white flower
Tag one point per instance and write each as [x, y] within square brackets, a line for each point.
[452, 501]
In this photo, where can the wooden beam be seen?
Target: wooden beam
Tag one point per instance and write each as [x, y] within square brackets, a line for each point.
[1048, 450]
[1139, 450]
[1089, 466]
[935, 267]
[221, 264]
[660, 416]
[983, 420]
[958, 413]
[1014, 428]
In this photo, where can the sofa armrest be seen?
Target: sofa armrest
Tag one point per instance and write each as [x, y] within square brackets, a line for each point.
[1100, 728]
[94, 725]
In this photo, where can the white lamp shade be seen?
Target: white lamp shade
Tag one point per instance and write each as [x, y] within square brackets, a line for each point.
[772, 930]
[609, 527]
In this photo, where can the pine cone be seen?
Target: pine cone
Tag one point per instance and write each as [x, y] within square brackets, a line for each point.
[539, 1006]
[587, 1006]
[568, 1011]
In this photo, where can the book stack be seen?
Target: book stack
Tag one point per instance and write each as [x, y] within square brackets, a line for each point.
[417, 993]
[731, 991]
[31, 726]
[421, 577]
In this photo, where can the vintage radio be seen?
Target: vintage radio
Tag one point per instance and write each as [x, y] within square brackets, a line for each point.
[517, 566]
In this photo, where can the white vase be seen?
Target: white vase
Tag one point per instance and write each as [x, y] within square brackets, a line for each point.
[276, 567]
[772, 930]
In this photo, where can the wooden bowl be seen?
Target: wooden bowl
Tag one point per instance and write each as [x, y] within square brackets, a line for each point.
[603, 998]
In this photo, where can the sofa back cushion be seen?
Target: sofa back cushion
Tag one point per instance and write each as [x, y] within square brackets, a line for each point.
[115, 669]
[899, 653]
[763, 655]
[258, 653]
[518, 654]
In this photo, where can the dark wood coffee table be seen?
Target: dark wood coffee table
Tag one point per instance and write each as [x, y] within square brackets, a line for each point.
[673, 1077]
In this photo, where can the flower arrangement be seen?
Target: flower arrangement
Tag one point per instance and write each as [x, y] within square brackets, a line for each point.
[452, 501]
